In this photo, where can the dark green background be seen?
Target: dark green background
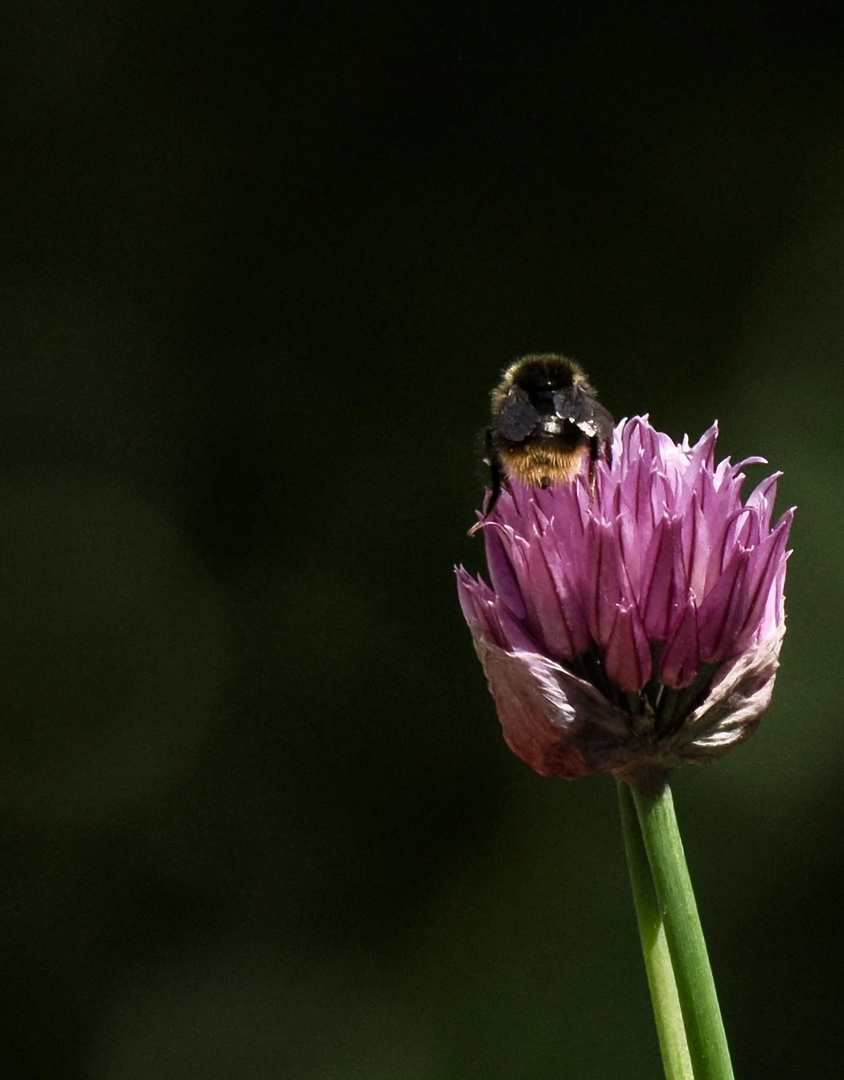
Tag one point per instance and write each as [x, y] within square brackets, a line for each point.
[260, 264]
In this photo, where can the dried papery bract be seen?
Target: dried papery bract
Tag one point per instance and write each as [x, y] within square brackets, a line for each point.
[632, 623]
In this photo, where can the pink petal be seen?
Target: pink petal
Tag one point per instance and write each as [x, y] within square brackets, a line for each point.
[679, 663]
[722, 612]
[627, 659]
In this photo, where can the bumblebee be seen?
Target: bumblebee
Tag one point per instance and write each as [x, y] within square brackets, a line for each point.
[546, 424]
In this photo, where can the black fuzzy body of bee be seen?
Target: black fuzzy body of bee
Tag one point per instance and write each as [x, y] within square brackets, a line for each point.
[546, 423]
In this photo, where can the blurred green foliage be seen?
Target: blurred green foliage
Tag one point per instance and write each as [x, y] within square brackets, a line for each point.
[260, 266]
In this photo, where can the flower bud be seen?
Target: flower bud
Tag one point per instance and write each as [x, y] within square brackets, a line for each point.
[633, 621]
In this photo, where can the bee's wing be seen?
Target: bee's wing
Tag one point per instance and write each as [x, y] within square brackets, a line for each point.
[600, 423]
[516, 417]
[585, 412]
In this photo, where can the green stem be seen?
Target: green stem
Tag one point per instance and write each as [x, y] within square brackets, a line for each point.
[666, 1004]
[707, 1041]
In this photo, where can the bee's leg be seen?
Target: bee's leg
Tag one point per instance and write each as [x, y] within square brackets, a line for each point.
[495, 478]
[495, 482]
[593, 457]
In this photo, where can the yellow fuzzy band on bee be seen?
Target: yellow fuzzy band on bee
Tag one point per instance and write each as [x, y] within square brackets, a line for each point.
[540, 467]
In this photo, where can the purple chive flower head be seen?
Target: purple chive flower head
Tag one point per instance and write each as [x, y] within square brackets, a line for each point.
[634, 623]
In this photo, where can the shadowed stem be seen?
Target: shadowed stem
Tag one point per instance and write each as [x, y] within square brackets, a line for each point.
[666, 1004]
[672, 939]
